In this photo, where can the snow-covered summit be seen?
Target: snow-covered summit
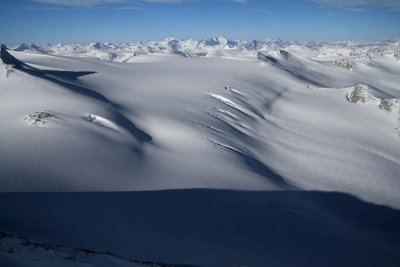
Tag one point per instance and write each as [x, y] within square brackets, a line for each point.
[233, 157]
[218, 46]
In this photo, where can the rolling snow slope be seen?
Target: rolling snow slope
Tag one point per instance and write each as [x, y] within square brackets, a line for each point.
[245, 116]
[226, 123]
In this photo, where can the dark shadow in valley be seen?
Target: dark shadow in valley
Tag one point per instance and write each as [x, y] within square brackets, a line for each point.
[212, 227]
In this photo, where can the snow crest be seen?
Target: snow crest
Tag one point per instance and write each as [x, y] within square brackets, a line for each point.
[219, 46]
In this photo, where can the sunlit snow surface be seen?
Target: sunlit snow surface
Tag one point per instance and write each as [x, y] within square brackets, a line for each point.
[212, 114]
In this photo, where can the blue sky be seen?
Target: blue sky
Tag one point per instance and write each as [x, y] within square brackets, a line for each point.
[69, 21]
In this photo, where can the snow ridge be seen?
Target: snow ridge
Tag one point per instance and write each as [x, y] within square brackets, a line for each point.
[219, 46]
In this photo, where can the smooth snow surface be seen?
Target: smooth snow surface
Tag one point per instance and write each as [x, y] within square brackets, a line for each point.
[276, 117]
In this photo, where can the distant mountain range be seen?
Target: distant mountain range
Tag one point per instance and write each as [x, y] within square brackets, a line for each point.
[219, 46]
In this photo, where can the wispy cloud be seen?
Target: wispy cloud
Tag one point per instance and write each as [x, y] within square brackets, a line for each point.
[355, 9]
[82, 3]
[46, 8]
[185, 1]
[165, 1]
[90, 3]
[61, 5]
[384, 3]
[259, 10]
[127, 8]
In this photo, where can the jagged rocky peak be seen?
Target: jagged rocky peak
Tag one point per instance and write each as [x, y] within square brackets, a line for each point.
[253, 45]
[95, 45]
[23, 46]
[170, 42]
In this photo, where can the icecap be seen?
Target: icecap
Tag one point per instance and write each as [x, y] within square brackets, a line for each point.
[210, 122]
[284, 119]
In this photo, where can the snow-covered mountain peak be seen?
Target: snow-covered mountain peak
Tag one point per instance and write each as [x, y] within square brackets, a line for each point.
[219, 46]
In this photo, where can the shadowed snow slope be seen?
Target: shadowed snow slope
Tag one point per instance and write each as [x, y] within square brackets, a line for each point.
[23, 252]
[279, 122]
[178, 122]
[212, 227]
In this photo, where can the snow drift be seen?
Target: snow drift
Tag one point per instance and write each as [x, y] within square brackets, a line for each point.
[283, 138]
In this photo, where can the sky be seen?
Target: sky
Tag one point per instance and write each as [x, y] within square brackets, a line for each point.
[119, 21]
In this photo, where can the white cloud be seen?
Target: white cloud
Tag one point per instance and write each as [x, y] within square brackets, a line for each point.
[80, 2]
[183, 1]
[165, 1]
[387, 3]
[259, 10]
[127, 8]
[355, 9]
[88, 3]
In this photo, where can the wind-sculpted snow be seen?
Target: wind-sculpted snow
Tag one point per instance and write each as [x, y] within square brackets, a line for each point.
[283, 118]
[61, 78]
[235, 130]
[221, 118]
